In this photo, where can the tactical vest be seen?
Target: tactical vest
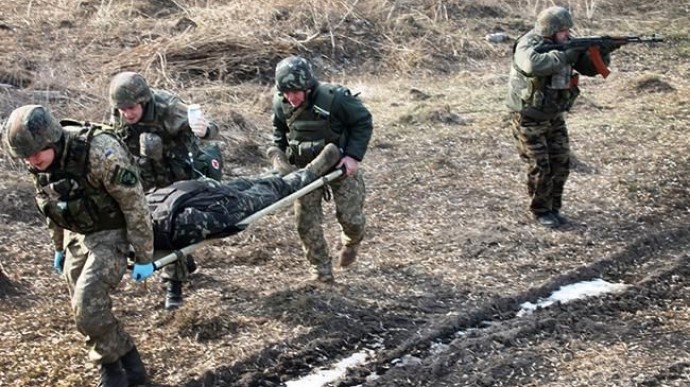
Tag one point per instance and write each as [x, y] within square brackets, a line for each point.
[176, 163]
[538, 99]
[310, 125]
[67, 197]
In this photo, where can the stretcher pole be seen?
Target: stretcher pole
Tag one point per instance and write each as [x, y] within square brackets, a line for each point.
[181, 253]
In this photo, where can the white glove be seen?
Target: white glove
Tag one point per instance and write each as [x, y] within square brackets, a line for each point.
[200, 127]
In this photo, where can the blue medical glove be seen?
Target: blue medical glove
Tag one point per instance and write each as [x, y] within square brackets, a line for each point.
[142, 271]
[59, 261]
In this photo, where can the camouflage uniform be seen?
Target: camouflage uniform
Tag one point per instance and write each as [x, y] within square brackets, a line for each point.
[191, 211]
[542, 88]
[330, 114]
[165, 115]
[92, 192]
[164, 120]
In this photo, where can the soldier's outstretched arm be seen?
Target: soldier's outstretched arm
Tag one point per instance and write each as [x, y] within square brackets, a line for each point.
[112, 169]
[175, 121]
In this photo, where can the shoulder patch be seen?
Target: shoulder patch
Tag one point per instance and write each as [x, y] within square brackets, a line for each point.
[109, 154]
[124, 176]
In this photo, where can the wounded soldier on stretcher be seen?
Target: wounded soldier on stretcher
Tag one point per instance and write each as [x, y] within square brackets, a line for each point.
[190, 211]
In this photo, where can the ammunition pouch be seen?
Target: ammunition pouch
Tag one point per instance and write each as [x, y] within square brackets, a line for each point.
[152, 173]
[70, 206]
[547, 102]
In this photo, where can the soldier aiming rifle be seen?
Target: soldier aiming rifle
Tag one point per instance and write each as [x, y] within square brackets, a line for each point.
[596, 44]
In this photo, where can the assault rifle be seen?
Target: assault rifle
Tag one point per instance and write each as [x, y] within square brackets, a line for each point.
[595, 44]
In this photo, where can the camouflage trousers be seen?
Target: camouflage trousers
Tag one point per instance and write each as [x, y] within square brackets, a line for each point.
[348, 196]
[242, 197]
[545, 148]
[94, 266]
[176, 271]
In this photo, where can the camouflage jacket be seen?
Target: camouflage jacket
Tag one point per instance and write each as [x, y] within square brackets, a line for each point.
[93, 186]
[531, 76]
[166, 116]
[330, 114]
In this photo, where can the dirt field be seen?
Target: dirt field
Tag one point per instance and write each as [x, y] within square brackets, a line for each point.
[451, 251]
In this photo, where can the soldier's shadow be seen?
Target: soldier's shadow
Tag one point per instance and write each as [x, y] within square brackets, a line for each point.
[579, 166]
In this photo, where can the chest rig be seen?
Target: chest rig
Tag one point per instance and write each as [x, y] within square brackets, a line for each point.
[311, 126]
[68, 198]
[178, 148]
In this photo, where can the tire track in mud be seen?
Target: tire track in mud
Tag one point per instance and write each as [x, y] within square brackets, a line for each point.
[493, 327]
[339, 324]
[477, 351]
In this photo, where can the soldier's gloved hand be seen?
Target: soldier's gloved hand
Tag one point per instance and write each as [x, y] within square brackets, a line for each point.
[142, 271]
[200, 127]
[573, 54]
[59, 261]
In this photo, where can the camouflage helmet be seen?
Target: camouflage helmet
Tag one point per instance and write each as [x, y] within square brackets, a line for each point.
[30, 129]
[294, 73]
[127, 89]
[552, 20]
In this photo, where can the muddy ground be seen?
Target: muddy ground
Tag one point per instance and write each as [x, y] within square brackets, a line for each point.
[451, 252]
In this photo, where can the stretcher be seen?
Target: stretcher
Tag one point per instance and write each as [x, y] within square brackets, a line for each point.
[167, 257]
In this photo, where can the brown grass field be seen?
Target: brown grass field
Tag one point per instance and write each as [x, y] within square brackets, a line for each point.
[450, 246]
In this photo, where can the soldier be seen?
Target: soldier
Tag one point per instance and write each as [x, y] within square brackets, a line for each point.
[89, 191]
[189, 211]
[308, 115]
[542, 88]
[154, 126]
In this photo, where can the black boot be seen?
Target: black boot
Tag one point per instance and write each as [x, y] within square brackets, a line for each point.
[173, 295]
[112, 375]
[561, 219]
[191, 264]
[547, 219]
[134, 367]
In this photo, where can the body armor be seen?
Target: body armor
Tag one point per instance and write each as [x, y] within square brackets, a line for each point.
[178, 149]
[310, 125]
[542, 97]
[68, 198]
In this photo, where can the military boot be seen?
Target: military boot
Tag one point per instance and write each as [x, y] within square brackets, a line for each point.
[112, 375]
[547, 219]
[279, 160]
[325, 161]
[173, 294]
[347, 255]
[322, 274]
[191, 264]
[561, 219]
[134, 367]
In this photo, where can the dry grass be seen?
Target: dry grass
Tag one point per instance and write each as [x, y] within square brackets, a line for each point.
[447, 227]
